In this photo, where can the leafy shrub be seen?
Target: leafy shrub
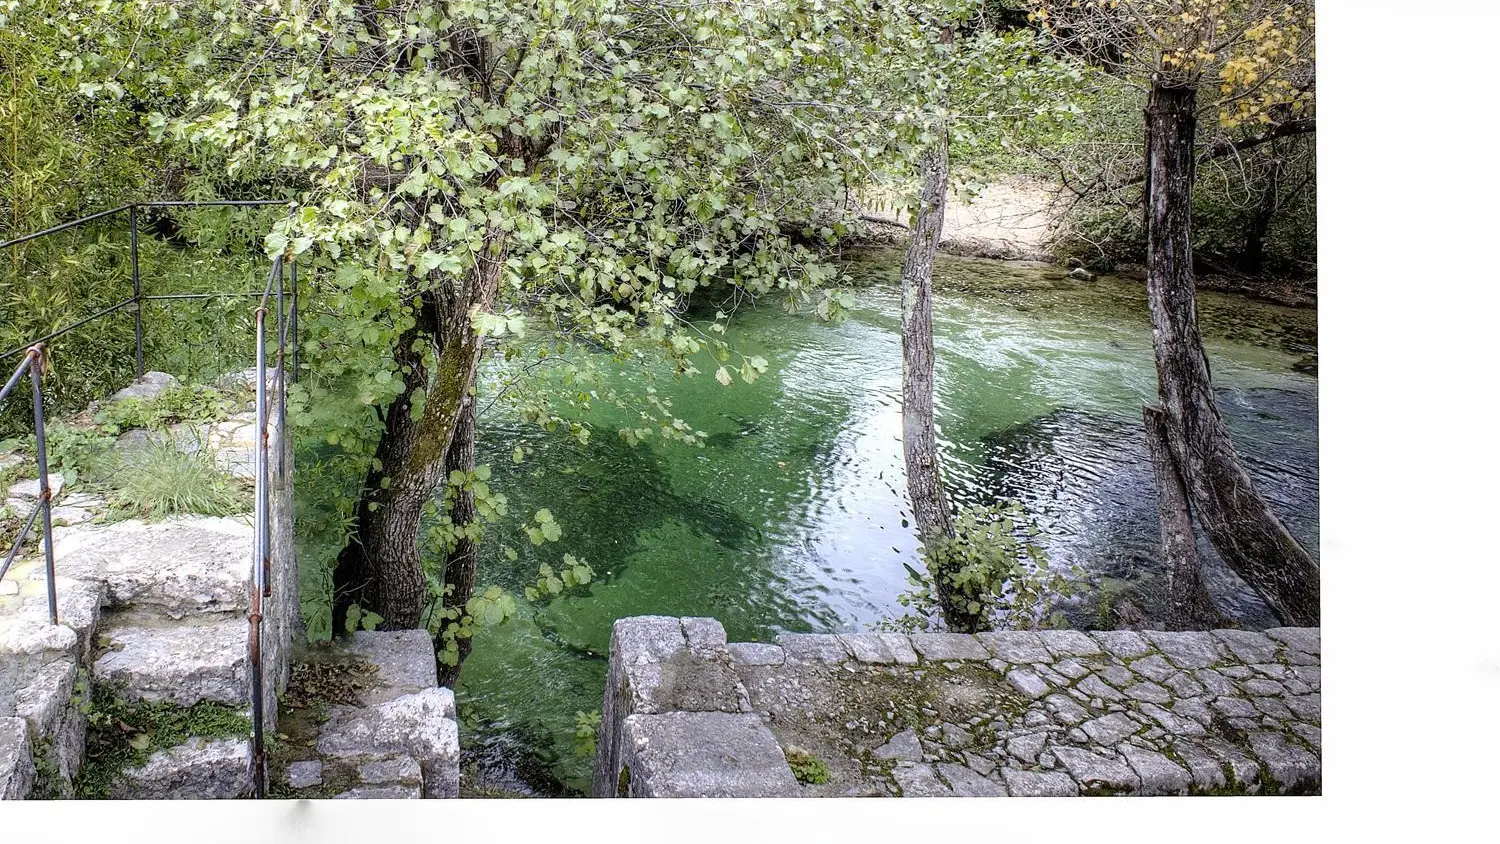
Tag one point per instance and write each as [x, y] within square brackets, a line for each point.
[994, 565]
[195, 403]
[81, 455]
[586, 727]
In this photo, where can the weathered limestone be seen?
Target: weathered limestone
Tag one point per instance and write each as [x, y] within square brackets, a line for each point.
[196, 769]
[148, 386]
[1048, 713]
[179, 567]
[399, 741]
[17, 770]
[182, 663]
[157, 611]
[701, 754]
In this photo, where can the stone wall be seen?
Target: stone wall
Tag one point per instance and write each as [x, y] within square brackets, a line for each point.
[1047, 713]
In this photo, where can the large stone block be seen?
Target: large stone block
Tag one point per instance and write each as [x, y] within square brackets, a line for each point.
[196, 770]
[177, 568]
[942, 647]
[813, 647]
[702, 754]
[203, 658]
[148, 386]
[403, 658]
[1015, 646]
[421, 725]
[1187, 650]
[17, 771]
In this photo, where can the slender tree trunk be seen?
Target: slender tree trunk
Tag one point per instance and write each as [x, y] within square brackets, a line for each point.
[382, 566]
[1258, 225]
[1189, 606]
[924, 481]
[1242, 527]
[462, 562]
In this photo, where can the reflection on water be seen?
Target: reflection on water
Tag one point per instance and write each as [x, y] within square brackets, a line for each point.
[792, 516]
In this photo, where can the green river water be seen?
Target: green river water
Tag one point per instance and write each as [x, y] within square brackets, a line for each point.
[791, 516]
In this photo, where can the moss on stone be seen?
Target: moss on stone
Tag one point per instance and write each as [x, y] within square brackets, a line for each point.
[123, 735]
[807, 768]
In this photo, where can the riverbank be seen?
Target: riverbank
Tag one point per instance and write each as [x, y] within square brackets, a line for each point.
[1024, 218]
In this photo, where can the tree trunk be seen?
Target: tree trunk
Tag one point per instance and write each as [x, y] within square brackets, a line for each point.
[1189, 606]
[924, 481]
[1250, 538]
[1258, 225]
[382, 567]
[353, 577]
[462, 562]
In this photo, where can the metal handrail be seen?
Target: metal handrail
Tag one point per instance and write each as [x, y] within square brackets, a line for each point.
[135, 267]
[260, 588]
[34, 363]
[43, 507]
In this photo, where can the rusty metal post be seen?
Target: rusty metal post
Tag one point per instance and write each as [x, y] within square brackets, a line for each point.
[296, 341]
[37, 355]
[259, 565]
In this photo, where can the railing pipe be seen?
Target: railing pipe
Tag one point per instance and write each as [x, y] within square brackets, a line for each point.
[15, 545]
[65, 329]
[61, 227]
[44, 488]
[15, 377]
[296, 337]
[135, 283]
[261, 561]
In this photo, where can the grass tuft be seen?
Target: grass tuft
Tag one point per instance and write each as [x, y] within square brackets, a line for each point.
[158, 481]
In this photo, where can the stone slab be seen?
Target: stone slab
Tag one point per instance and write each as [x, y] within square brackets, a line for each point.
[421, 724]
[178, 567]
[17, 771]
[148, 386]
[704, 754]
[403, 659]
[197, 769]
[204, 658]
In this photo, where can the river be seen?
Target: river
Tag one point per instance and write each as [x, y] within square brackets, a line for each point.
[791, 515]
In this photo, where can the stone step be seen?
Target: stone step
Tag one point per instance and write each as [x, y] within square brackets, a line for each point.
[403, 660]
[201, 658]
[421, 725]
[79, 602]
[387, 776]
[176, 568]
[196, 770]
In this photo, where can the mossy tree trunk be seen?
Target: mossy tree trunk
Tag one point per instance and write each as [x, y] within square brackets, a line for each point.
[461, 564]
[381, 569]
[1242, 527]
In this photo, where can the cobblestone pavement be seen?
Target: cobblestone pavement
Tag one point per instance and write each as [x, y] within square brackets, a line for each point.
[1047, 713]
